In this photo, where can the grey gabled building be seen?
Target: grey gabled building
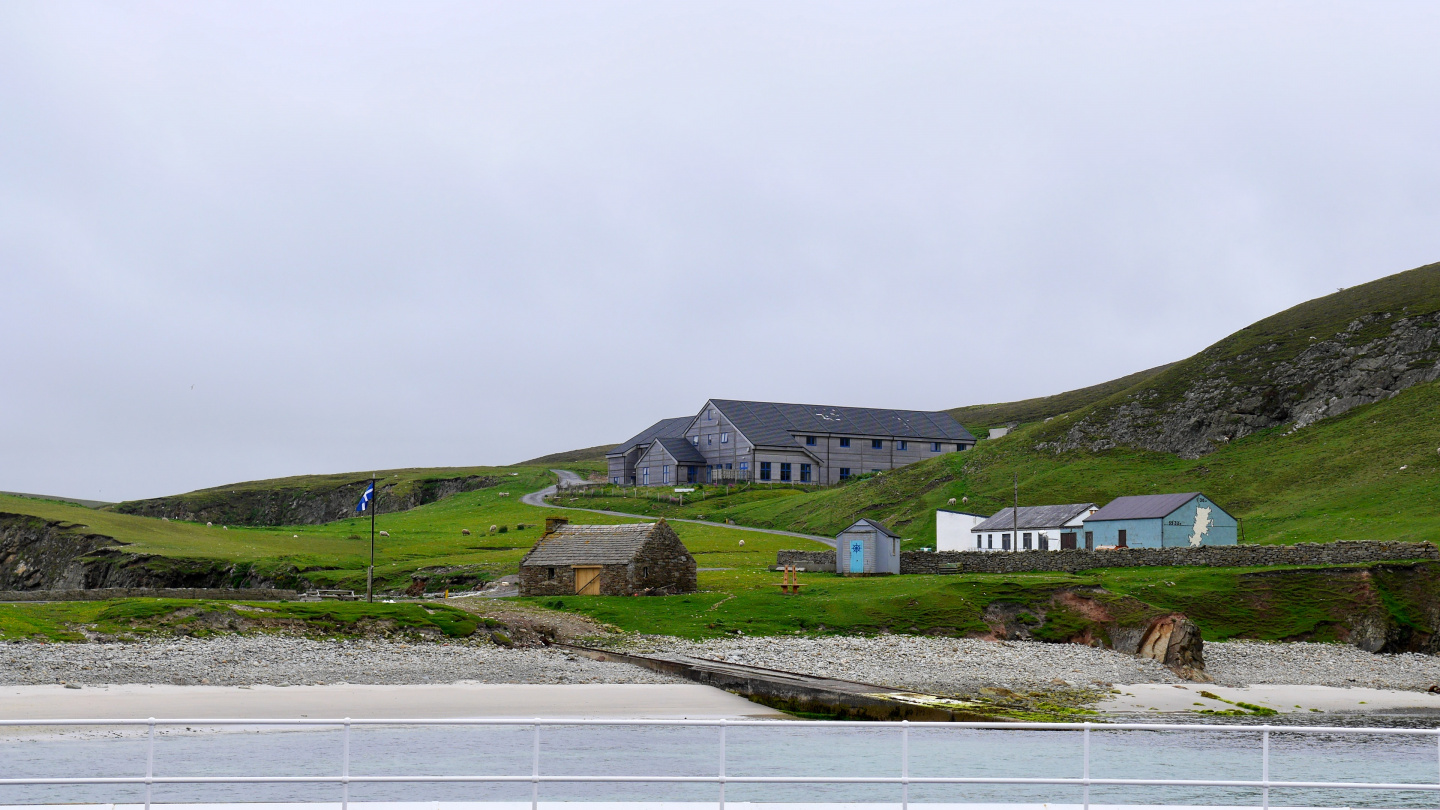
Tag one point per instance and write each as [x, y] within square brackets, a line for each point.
[774, 442]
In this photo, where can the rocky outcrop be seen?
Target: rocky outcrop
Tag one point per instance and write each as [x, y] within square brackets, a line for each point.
[294, 506]
[1203, 403]
[1095, 617]
[36, 553]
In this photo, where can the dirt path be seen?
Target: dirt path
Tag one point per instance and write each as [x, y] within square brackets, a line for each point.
[537, 499]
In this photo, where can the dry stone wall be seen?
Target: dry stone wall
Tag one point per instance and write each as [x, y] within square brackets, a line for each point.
[77, 595]
[1070, 561]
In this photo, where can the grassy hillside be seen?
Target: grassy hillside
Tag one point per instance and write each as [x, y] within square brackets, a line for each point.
[1341, 479]
[596, 453]
[979, 418]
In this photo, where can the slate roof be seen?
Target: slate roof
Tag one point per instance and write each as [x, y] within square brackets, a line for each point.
[1139, 507]
[590, 545]
[683, 451]
[774, 423]
[1033, 517]
[874, 524]
[665, 428]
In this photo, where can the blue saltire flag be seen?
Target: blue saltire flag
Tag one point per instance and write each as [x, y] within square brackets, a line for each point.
[365, 497]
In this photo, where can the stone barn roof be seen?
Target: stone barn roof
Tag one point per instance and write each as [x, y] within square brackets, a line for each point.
[590, 545]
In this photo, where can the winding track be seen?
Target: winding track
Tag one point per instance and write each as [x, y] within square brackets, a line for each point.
[537, 499]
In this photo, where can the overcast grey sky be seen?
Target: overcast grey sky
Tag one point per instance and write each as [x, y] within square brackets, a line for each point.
[242, 240]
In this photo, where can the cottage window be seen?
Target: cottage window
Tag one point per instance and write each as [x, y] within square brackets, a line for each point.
[805, 473]
[784, 471]
[549, 573]
[877, 444]
[978, 541]
[644, 572]
[1005, 542]
[960, 447]
[844, 471]
[902, 445]
[1026, 538]
[764, 471]
[724, 438]
[935, 447]
[810, 441]
[845, 442]
[990, 541]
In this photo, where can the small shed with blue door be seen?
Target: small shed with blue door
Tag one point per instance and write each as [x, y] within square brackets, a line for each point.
[867, 547]
[1161, 521]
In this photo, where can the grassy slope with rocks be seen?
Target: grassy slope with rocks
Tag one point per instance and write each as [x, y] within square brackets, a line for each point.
[570, 457]
[979, 418]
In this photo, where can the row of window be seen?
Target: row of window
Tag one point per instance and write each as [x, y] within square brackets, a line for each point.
[786, 468]
[811, 441]
[988, 541]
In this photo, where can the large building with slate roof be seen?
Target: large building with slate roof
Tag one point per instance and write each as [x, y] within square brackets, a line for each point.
[619, 560]
[1041, 528]
[772, 442]
[1156, 521]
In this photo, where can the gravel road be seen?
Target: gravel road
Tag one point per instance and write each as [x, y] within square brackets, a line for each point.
[940, 665]
[960, 665]
[281, 660]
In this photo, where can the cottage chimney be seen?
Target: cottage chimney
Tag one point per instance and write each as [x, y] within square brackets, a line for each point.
[554, 523]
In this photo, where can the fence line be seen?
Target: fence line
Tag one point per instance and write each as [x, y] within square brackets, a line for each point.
[721, 778]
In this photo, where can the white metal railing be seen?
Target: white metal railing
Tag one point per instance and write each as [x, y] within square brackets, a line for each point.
[721, 778]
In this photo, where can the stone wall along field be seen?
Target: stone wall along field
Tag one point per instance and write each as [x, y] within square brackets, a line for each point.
[96, 594]
[1070, 561]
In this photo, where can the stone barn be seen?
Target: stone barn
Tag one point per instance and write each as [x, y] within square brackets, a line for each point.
[621, 560]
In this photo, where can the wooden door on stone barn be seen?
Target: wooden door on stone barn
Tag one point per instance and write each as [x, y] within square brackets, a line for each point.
[587, 580]
[1067, 540]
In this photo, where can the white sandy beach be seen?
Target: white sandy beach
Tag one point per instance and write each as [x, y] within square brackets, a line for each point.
[639, 701]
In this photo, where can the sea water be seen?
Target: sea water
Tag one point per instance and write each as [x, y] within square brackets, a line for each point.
[778, 749]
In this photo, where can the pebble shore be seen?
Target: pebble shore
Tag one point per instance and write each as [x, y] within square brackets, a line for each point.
[290, 661]
[940, 665]
[959, 665]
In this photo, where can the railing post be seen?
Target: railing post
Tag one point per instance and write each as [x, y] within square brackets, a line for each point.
[1085, 770]
[904, 765]
[345, 769]
[722, 763]
[535, 771]
[1265, 768]
[149, 764]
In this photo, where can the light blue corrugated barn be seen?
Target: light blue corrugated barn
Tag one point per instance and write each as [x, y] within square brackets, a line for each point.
[1156, 521]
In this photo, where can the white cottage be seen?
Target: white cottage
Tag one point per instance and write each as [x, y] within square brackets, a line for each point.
[952, 529]
[1041, 528]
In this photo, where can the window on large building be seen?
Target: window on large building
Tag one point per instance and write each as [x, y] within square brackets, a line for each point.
[764, 471]
[744, 465]
[784, 471]
[695, 440]
[810, 441]
[805, 473]
[877, 444]
[845, 442]
[729, 465]
[902, 445]
[665, 474]
[724, 438]
[645, 475]
[844, 472]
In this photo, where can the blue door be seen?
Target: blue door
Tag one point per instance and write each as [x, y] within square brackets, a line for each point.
[857, 556]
